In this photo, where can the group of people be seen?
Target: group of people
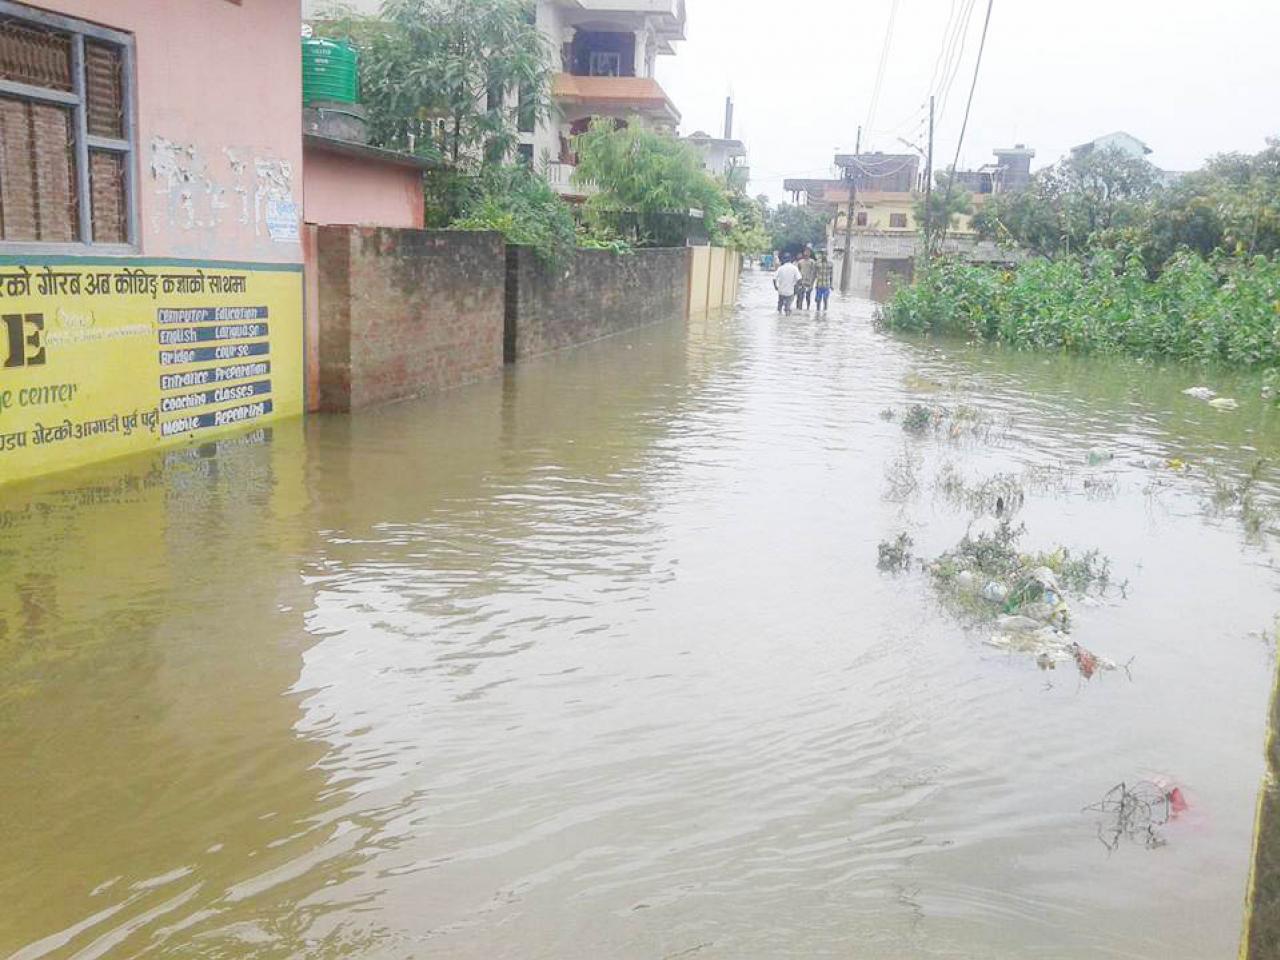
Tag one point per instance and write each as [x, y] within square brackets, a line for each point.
[806, 281]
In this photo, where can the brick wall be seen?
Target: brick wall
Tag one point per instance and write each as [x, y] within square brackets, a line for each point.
[595, 294]
[406, 312]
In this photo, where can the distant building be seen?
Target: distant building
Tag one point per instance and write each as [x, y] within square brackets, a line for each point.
[722, 156]
[1126, 143]
[885, 231]
[1011, 172]
[607, 51]
[603, 57]
[719, 156]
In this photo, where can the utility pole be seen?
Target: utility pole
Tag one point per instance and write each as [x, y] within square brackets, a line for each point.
[928, 190]
[846, 265]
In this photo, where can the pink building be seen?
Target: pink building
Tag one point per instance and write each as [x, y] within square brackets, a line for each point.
[150, 225]
[184, 118]
[153, 180]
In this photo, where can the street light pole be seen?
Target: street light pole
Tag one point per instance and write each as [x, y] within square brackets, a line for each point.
[846, 264]
[928, 190]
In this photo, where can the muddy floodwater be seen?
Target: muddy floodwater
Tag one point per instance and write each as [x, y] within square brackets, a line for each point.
[595, 661]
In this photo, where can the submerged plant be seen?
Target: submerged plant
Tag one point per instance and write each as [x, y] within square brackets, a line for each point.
[986, 575]
[1000, 495]
[1241, 497]
[895, 555]
[917, 419]
[902, 477]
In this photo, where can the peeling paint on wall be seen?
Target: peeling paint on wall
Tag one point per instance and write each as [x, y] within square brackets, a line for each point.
[238, 192]
[273, 199]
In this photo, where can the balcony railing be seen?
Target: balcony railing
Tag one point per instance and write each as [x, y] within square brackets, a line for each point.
[560, 176]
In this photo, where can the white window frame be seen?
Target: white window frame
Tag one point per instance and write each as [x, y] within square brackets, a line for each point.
[77, 100]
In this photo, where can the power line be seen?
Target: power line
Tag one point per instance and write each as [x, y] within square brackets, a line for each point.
[956, 60]
[946, 32]
[982, 45]
[884, 61]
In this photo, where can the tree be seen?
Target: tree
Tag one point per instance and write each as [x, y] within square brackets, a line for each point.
[792, 228]
[521, 205]
[747, 234]
[438, 76]
[647, 179]
[941, 210]
[1074, 203]
[1231, 205]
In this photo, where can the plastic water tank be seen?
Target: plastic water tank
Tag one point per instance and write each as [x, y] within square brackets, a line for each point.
[330, 71]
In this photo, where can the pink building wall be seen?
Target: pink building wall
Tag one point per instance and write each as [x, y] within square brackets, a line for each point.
[219, 132]
[349, 190]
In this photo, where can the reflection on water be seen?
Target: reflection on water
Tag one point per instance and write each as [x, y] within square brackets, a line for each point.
[596, 662]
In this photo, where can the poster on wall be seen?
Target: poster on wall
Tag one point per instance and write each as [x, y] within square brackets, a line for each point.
[105, 358]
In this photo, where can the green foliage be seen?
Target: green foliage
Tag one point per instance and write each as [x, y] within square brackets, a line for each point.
[941, 210]
[793, 228]
[747, 233]
[595, 237]
[643, 171]
[523, 208]
[1073, 204]
[1232, 205]
[1201, 310]
[436, 75]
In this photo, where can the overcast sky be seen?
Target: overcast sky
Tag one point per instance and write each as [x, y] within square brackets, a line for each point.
[1189, 78]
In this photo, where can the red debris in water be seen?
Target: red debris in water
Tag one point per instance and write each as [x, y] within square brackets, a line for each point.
[1085, 660]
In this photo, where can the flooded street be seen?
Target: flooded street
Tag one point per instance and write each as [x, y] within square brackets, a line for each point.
[596, 662]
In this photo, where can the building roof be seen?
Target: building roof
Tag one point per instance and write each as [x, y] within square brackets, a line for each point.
[802, 185]
[1086, 147]
[642, 94]
[362, 151]
[734, 148]
[668, 15]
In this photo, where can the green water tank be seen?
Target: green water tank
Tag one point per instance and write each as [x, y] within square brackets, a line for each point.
[330, 71]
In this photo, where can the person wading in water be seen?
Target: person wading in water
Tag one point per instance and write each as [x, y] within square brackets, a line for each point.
[784, 281]
[822, 283]
[808, 270]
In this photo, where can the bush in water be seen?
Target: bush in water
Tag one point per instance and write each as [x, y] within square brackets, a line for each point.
[1224, 310]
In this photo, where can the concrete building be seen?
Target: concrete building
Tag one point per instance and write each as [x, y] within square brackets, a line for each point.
[720, 155]
[150, 211]
[1126, 143]
[607, 51]
[885, 229]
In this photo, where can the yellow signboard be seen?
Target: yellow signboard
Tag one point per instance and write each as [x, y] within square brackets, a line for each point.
[104, 358]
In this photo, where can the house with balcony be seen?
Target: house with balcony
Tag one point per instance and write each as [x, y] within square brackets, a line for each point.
[606, 53]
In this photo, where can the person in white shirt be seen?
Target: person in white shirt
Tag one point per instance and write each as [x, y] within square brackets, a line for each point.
[784, 281]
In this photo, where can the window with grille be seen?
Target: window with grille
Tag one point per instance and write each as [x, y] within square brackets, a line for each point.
[897, 221]
[66, 144]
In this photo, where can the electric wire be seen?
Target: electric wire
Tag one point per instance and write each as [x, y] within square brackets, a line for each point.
[880, 70]
[956, 58]
[964, 126]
